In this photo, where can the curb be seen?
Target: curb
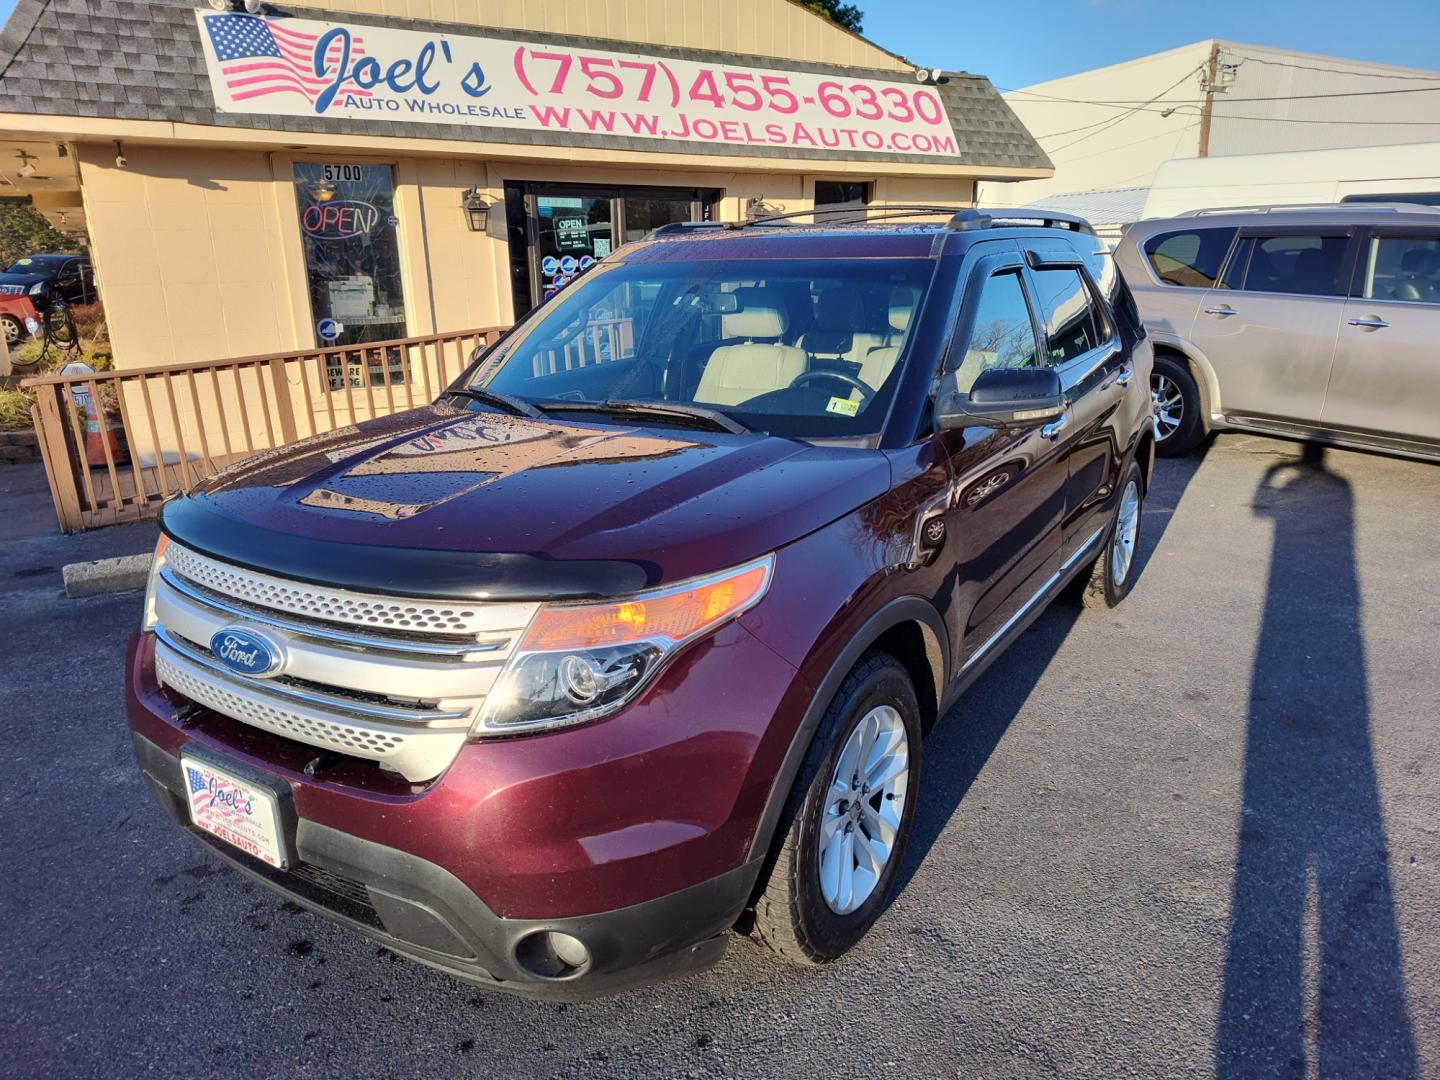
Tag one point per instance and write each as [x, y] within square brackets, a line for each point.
[122, 574]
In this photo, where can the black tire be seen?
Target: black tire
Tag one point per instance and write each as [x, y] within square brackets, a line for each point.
[1099, 586]
[1171, 377]
[792, 916]
[14, 330]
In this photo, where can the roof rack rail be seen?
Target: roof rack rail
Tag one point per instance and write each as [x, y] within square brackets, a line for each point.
[957, 220]
[1008, 217]
[1399, 206]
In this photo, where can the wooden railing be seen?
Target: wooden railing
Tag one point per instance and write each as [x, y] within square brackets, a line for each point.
[116, 444]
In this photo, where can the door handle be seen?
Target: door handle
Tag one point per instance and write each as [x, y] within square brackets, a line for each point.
[1053, 429]
[1222, 310]
[1126, 374]
[1372, 323]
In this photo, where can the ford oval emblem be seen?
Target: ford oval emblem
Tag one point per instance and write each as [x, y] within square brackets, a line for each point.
[247, 651]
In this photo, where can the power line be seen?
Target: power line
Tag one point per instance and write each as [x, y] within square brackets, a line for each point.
[1110, 122]
[1244, 58]
[1237, 101]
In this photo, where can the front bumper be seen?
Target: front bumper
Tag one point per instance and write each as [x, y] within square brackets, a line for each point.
[633, 834]
[422, 911]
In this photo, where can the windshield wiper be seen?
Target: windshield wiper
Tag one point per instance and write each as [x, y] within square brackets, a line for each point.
[513, 405]
[667, 410]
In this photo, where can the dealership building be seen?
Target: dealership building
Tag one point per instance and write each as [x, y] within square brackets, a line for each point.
[258, 183]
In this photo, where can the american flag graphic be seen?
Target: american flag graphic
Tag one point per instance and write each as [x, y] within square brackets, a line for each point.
[260, 56]
[201, 798]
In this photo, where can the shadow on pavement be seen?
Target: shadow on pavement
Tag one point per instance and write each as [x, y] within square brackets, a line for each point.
[961, 744]
[1312, 896]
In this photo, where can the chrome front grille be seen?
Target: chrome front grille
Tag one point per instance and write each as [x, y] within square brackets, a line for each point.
[403, 690]
[339, 605]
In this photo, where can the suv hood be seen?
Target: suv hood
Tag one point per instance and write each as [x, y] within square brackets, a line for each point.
[451, 488]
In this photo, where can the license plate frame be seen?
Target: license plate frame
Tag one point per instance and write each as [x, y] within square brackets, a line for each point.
[240, 810]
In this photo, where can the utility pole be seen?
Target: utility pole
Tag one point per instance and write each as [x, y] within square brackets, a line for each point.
[1212, 70]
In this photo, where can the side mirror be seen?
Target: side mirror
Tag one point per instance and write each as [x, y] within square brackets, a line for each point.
[1002, 398]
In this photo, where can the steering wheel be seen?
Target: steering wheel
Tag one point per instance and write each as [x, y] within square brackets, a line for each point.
[839, 376]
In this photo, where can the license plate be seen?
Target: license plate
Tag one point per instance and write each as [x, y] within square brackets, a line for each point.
[241, 813]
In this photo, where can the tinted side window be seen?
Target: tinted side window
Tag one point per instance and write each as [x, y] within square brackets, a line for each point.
[1003, 335]
[1302, 263]
[1190, 259]
[1068, 312]
[1404, 268]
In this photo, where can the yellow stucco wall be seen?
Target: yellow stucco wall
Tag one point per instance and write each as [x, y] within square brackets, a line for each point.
[188, 243]
[755, 27]
[199, 257]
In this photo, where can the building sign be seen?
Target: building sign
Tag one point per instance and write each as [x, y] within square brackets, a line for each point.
[303, 67]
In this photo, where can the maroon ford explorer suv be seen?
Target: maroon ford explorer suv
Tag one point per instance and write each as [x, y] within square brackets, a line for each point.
[635, 634]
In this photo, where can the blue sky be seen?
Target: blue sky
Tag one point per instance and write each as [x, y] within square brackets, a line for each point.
[1019, 42]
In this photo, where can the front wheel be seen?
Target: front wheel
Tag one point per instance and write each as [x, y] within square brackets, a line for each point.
[1179, 427]
[1112, 575]
[849, 817]
[14, 330]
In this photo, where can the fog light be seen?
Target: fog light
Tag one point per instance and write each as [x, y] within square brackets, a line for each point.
[551, 954]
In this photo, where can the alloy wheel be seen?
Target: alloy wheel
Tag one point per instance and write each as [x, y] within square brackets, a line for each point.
[1169, 405]
[864, 806]
[1127, 526]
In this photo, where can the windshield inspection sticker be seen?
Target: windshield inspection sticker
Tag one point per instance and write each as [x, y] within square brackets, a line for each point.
[843, 406]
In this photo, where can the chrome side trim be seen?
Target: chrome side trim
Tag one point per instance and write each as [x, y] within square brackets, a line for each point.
[332, 703]
[369, 642]
[1040, 593]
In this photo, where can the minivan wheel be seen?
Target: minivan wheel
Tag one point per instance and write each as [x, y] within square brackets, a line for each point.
[847, 819]
[1112, 575]
[1179, 427]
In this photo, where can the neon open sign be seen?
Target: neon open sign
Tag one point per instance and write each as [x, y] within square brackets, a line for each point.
[340, 219]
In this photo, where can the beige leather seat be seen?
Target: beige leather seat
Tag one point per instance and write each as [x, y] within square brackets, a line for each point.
[878, 363]
[759, 364]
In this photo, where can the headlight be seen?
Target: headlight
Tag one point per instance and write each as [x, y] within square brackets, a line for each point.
[579, 662]
[147, 617]
[37, 288]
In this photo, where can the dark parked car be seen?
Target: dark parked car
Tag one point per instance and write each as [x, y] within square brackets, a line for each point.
[43, 279]
[640, 627]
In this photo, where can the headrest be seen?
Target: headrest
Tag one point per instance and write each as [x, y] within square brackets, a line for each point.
[835, 310]
[1416, 261]
[902, 306]
[753, 321]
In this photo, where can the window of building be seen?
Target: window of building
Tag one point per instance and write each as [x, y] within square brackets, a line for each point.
[1190, 259]
[352, 264]
[1072, 325]
[1403, 268]
[1003, 335]
[1303, 264]
[841, 193]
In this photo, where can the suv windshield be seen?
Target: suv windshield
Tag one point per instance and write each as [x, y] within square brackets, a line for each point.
[808, 348]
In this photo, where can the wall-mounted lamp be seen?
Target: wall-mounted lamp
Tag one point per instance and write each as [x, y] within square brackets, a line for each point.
[477, 210]
[27, 166]
[253, 7]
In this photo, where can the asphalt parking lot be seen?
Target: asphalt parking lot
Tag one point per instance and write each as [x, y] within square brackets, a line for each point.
[1196, 835]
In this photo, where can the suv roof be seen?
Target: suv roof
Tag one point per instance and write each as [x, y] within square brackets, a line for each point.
[886, 231]
[1304, 214]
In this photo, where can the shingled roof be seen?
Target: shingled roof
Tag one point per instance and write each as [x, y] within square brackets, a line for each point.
[143, 61]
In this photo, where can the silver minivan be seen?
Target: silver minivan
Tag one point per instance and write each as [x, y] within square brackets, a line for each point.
[1318, 323]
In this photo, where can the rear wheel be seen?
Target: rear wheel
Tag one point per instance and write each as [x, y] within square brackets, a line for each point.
[848, 817]
[1179, 427]
[14, 330]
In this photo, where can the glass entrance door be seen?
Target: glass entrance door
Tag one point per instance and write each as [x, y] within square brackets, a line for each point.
[558, 231]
